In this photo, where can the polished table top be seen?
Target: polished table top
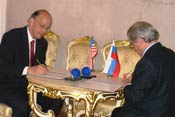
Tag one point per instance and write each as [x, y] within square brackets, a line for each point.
[91, 90]
[56, 80]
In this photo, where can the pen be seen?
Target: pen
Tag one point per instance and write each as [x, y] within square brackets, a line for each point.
[129, 74]
[38, 61]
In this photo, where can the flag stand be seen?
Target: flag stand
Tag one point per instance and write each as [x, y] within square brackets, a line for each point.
[109, 76]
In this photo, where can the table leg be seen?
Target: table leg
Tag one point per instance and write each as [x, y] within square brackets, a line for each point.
[32, 92]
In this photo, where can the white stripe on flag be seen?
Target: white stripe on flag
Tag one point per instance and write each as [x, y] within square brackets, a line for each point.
[108, 61]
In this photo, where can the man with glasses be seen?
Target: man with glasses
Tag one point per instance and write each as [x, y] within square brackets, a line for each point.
[150, 90]
[18, 57]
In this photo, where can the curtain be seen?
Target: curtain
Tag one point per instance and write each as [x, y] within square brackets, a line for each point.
[3, 5]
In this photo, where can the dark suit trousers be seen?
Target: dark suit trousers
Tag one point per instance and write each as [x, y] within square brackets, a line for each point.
[18, 100]
[49, 103]
[122, 112]
[115, 112]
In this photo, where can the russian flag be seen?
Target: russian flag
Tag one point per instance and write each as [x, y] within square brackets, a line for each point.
[112, 66]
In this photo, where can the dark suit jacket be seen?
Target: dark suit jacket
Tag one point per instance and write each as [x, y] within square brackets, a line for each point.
[152, 91]
[14, 56]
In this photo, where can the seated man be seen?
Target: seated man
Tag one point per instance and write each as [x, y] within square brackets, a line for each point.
[18, 57]
[151, 92]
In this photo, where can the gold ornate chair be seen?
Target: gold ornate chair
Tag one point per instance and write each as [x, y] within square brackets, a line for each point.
[128, 59]
[78, 52]
[77, 57]
[53, 45]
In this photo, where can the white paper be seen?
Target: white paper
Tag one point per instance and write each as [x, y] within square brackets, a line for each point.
[54, 75]
[105, 84]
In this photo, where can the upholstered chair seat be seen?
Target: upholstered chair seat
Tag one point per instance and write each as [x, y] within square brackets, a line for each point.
[53, 44]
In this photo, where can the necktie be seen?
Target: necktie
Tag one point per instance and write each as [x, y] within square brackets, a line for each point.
[32, 52]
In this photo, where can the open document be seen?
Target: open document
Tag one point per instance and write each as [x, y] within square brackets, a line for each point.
[105, 84]
[55, 75]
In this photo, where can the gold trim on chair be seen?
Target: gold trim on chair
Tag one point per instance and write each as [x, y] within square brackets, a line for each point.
[5, 111]
[119, 43]
[52, 50]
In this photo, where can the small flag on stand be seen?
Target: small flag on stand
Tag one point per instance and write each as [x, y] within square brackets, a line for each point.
[112, 66]
[92, 53]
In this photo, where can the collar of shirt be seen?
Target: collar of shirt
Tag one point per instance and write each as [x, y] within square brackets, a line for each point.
[148, 48]
[29, 36]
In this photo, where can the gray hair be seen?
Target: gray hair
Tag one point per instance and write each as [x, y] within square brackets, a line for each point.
[142, 30]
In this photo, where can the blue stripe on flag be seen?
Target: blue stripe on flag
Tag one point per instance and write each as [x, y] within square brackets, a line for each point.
[112, 67]
[114, 49]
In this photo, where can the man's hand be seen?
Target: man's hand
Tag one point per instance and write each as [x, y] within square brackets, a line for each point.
[37, 70]
[127, 77]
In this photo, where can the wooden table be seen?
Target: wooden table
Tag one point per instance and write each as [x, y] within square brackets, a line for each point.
[90, 90]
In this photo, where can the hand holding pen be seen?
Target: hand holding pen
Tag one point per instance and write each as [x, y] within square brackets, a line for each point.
[127, 77]
[38, 61]
[38, 69]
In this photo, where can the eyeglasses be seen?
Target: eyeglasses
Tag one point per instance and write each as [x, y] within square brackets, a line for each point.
[133, 42]
[42, 26]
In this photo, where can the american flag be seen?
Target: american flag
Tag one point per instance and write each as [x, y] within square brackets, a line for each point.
[92, 53]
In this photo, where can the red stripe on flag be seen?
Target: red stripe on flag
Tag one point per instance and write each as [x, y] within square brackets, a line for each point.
[114, 55]
[93, 52]
[117, 70]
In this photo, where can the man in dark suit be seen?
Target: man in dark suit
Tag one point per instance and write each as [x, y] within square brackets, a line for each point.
[151, 90]
[16, 62]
